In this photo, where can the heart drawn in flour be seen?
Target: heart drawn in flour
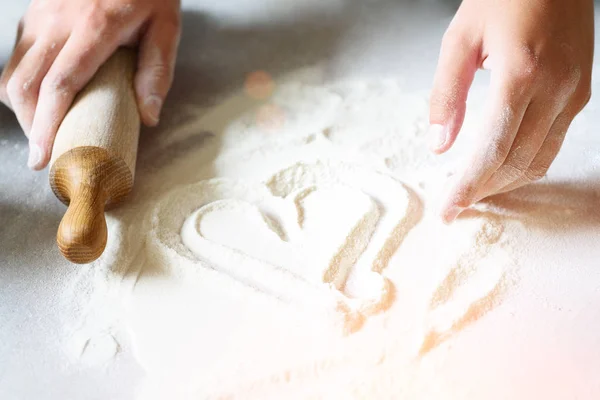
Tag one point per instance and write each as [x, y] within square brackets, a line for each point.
[317, 233]
[322, 234]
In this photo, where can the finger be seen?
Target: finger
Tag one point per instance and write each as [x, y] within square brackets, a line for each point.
[24, 85]
[458, 62]
[536, 124]
[548, 152]
[21, 47]
[504, 116]
[156, 64]
[83, 53]
[553, 142]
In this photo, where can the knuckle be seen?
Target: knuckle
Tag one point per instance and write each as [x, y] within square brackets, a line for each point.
[462, 201]
[583, 96]
[158, 72]
[18, 90]
[587, 93]
[553, 145]
[60, 83]
[569, 77]
[98, 20]
[124, 10]
[537, 171]
[442, 102]
[114, 16]
[117, 14]
[525, 75]
[515, 168]
[527, 70]
[496, 153]
[563, 82]
[464, 194]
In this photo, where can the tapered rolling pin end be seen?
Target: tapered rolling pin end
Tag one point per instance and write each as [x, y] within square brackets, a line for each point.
[88, 180]
[82, 239]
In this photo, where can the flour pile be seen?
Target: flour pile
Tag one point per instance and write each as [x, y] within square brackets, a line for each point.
[290, 249]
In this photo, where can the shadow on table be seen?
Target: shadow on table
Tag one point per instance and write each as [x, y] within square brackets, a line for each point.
[9, 126]
[26, 229]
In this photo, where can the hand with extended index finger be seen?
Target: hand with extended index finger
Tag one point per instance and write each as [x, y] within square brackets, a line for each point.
[540, 53]
[62, 43]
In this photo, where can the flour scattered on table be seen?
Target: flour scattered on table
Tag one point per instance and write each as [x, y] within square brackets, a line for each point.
[272, 252]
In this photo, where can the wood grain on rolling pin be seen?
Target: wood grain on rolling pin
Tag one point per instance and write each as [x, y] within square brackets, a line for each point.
[105, 113]
[94, 154]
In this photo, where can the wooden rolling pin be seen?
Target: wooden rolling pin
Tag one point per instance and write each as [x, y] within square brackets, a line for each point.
[94, 154]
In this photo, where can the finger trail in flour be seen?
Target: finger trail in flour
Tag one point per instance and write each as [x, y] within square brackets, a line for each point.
[317, 234]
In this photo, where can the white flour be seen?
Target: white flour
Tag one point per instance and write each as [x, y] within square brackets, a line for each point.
[297, 255]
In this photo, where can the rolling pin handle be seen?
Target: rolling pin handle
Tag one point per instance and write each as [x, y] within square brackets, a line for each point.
[82, 233]
[88, 180]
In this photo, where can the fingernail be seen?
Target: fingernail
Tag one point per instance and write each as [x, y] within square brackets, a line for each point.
[35, 156]
[451, 214]
[153, 105]
[438, 134]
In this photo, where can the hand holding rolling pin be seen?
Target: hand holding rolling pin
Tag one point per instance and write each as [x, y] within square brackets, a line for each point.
[61, 44]
[79, 96]
[540, 53]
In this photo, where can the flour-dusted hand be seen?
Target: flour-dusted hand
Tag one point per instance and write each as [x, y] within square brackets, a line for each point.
[62, 43]
[540, 53]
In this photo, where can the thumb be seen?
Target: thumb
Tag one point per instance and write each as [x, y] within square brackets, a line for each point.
[156, 64]
[456, 69]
